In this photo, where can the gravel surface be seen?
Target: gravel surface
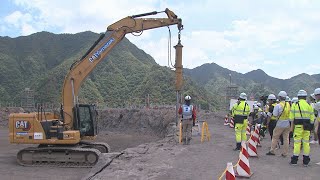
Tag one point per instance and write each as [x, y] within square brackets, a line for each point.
[140, 150]
[165, 159]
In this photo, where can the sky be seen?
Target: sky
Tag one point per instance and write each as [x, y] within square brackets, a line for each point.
[280, 37]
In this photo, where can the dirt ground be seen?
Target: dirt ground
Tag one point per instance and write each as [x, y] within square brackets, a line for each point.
[167, 160]
[140, 152]
[119, 137]
[10, 170]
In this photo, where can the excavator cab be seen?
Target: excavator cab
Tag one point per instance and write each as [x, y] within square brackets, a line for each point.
[85, 119]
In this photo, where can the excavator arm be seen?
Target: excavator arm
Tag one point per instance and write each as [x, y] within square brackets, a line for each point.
[83, 67]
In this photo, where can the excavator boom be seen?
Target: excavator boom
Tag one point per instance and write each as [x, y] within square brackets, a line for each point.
[82, 68]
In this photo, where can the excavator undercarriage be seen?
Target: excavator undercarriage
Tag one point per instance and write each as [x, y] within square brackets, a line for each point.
[85, 154]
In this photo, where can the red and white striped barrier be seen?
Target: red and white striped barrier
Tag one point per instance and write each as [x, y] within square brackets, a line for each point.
[252, 147]
[248, 130]
[226, 121]
[243, 167]
[230, 172]
[231, 124]
[256, 135]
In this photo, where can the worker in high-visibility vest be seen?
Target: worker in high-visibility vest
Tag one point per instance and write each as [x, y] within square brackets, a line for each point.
[317, 108]
[271, 119]
[302, 118]
[282, 112]
[240, 112]
[188, 114]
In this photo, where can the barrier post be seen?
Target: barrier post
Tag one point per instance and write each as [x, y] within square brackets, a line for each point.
[205, 132]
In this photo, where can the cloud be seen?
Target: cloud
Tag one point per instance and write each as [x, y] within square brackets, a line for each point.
[22, 21]
[274, 62]
[84, 15]
[240, 36]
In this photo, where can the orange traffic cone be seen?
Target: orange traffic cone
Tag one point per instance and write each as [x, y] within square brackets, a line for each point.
[226, 123]
[230, 172]
[252, 147]
[248, 130]
[231, 124]
[243, 167]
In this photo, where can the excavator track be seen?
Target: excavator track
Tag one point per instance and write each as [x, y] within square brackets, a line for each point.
[102, 147]
[58, 156]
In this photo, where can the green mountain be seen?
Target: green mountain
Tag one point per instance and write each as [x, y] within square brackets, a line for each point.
[126, 76]
[215, 80]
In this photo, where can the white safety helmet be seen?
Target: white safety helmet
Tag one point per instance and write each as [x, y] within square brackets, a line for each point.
[243, 96]
[294, 99]
[288, 98]
[313, 96]
[187, 98]
[255, 107]
[272, 97]
[282, 94]
[317, 106]
[302, 93]
[316, 91]
[259, 104]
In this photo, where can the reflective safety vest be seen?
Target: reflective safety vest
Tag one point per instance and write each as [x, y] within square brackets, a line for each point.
[302, 112]
[187, 111]
[285, 114]
[273, 117]
[240, 111]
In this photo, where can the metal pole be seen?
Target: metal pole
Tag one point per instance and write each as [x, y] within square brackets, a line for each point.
[177, 107]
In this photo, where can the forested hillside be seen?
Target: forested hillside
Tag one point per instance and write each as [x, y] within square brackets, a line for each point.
[215, 79]
[127, 75]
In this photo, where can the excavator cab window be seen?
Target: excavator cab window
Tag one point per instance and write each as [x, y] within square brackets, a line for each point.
[85, 119]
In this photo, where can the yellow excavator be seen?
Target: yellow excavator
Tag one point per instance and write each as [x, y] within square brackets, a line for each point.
[61, 138]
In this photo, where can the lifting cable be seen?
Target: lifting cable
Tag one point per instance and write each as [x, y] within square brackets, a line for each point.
[170, 65]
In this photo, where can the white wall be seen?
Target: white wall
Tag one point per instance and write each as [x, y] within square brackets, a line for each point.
[233, 101]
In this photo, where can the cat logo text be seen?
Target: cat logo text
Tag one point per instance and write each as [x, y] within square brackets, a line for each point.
[24, 125]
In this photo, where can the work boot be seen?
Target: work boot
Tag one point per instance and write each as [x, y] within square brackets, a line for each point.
[238, 147]
[270, 153]
[306, 160]
[294, 160]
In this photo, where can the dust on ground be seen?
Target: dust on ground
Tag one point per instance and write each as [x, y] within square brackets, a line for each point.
[120, 128]
[165, 159]
[140, 150]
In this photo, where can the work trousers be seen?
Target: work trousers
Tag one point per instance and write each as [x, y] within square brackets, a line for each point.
[271, 126]
[277, 132]
[318, 132]
[315, 130]
[240, 131]
[301, 135]
[186, 129]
